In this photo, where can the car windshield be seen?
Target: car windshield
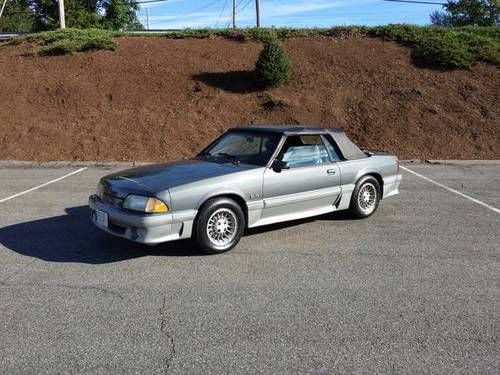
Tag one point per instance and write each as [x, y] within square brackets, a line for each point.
[243, 147]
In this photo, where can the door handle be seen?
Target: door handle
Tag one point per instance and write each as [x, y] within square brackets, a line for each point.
[331, 171]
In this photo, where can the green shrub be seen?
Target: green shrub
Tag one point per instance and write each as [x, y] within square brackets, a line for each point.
[66, 41]
[273, 66]
[446, 52]
[447, 47]
[196, 33]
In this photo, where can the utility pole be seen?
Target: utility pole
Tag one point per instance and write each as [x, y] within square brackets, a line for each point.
[234, 14]
[257, 12]
[147, 18]
[62, 19]
[3, 6]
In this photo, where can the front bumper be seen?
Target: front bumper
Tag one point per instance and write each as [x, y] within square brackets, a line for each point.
[143, 228]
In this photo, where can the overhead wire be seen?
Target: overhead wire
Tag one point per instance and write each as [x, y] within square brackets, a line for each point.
[244, 6]
[221, 12]
[416, 2]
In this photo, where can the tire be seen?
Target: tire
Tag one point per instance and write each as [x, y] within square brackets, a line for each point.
[219, 226]
[365, 198]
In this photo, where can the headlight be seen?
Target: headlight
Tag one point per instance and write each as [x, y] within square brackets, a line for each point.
[144, 204]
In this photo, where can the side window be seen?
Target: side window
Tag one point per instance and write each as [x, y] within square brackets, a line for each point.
[304, 150]
[331, 148]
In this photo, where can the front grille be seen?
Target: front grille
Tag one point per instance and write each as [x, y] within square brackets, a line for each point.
[115, 202]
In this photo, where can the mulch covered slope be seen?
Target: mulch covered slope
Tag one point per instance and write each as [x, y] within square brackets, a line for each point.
[160, 99]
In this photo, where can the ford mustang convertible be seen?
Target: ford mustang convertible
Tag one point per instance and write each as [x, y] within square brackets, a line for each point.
[248, 177]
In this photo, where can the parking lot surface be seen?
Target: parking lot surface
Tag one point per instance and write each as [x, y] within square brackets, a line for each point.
[413, 289]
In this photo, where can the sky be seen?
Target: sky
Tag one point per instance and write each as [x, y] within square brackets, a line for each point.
[175, 14]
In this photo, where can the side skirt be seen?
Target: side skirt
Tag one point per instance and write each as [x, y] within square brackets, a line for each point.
[300, 215]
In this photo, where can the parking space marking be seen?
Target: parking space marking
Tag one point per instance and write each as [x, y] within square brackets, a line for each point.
[42, 185]
[494, 209]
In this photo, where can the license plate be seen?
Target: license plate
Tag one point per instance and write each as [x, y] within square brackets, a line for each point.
[101, 218]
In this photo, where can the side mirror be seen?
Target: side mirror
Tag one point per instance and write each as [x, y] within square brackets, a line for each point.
[279, 165]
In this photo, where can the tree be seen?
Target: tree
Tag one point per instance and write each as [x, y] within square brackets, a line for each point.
[17, 17]
[273, 66]
[468, 12]
[121, 15]
[38, 15]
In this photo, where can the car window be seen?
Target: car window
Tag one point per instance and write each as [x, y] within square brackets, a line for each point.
[332, 148]
[246, 147]
[304, 150]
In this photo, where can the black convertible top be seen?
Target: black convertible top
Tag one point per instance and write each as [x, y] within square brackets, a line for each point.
[348, 149]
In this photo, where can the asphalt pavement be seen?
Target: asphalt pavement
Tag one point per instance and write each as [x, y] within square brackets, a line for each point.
[413, 289]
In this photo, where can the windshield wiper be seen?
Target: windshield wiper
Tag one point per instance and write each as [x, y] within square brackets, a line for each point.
[228, 156]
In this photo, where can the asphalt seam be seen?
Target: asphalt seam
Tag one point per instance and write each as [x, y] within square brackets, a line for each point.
[477, 201]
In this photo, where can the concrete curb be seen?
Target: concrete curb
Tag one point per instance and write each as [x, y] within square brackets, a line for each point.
[452, 162]
[129, 164]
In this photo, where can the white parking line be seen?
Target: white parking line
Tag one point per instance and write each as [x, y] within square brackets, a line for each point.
[494, 209]
[42, 185]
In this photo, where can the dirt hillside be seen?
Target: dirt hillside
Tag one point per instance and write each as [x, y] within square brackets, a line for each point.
[158, 99]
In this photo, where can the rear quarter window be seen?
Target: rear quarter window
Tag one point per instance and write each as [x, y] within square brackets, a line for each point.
[332, 148]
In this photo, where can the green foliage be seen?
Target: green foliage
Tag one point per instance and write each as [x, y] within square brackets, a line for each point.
[197, 33]
[266, 34]
[121, 15]
[273, 66]
[42, 15]
[62, 42]
[17, 17]
[468, 12]
[446, 47]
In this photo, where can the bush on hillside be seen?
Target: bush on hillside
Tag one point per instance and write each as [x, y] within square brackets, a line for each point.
[446, 47]
[66, 41]
[273, 66]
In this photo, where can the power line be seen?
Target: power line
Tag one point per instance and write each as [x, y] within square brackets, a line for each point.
[416, 2]
[180, 16]
[146, 1]
[244, 6]
[198, 9]
[221, 12]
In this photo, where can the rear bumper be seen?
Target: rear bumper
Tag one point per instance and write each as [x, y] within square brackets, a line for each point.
[142, 228]
[391, 185]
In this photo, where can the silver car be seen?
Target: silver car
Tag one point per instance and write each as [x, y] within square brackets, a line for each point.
[249, 177]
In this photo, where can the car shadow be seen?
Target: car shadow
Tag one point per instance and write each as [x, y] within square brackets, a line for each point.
[244, 81]
[73, 238]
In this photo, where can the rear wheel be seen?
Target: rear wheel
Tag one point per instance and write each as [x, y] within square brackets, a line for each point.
[365, 197]
[219, 226]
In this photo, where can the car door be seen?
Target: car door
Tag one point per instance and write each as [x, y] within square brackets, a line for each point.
[309, 185]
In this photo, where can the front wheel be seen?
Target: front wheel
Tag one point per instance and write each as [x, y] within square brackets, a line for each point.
[365, 197]
[219, 226]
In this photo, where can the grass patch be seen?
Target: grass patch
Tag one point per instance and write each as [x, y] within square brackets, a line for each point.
[61, 42]
[262, 34]
[446, 47]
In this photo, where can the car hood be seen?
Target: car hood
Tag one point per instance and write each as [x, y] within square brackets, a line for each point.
[152, 179]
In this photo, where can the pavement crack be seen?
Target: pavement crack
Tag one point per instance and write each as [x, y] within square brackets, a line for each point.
[167, 362]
